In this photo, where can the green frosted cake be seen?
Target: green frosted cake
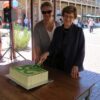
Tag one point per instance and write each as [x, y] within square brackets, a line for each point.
[29, 76]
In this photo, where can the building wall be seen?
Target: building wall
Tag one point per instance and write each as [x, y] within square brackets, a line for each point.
[84, 6]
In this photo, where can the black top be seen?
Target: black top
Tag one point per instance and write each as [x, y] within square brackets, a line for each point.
[68, 48]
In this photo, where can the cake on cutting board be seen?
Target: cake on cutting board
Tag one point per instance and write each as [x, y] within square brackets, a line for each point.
[29, 76]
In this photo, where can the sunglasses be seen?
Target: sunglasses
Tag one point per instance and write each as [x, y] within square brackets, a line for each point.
[46, 12]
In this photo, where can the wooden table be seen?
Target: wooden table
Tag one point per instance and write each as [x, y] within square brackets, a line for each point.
[62, 88]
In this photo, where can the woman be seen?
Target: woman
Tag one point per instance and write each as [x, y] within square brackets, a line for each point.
[68, 45]
[43, 31]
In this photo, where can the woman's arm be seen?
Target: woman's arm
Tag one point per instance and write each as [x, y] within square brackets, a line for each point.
[79, 56]
[81, 49]
[36, 44]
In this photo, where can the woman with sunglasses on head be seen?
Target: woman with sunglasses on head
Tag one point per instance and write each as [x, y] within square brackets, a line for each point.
[68, 45]
[43, 31]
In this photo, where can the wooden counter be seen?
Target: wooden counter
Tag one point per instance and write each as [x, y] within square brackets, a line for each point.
[63, 87]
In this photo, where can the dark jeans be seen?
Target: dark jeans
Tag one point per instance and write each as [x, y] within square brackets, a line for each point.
[91, 29]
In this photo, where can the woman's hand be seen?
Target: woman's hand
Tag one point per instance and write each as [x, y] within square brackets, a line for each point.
[43, 57]
[75, 72]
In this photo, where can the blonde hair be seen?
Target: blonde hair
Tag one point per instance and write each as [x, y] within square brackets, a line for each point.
[48, 4]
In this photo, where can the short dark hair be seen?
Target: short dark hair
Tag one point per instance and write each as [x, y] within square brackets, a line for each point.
[70, 9]
[46, 4]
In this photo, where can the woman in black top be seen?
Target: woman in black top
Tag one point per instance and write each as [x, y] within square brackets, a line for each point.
[68, 44]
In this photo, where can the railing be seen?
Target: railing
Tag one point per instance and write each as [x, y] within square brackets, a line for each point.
[72, 0]
[79, 1]
[90, 2]
[86, 2]
[68, 0]
[98, 4]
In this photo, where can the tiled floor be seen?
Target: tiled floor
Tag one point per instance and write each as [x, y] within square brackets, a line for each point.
[92, 58]
[95, 95]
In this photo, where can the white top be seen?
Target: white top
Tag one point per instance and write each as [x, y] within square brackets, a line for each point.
[50, 33]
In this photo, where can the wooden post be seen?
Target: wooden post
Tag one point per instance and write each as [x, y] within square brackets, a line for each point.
[31, 3]
[12, 52]
[54, 9]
